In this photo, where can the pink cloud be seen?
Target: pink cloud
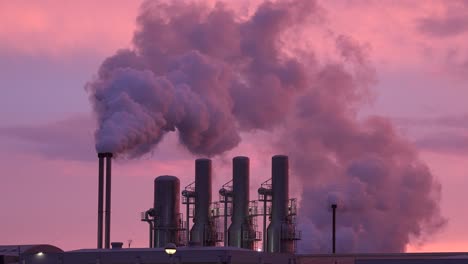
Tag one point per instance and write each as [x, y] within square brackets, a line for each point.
[452, 172]
[58, 27]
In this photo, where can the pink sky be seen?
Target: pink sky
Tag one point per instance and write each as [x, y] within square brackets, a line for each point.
[49, 49]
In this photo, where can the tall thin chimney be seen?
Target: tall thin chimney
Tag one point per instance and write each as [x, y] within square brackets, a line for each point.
[108, 199]
[279, 206]
[202, 229]
[240, 229]
[101, 157]
[333, 206]
[107, 157]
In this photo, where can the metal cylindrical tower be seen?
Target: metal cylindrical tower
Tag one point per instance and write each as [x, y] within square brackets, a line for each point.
[279, 208]
[166, 210]
[202, 229]
[108, 201]
[101, 157]
[240, 211]
[107, 159]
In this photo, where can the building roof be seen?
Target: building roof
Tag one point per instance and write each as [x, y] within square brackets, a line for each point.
[16, 250]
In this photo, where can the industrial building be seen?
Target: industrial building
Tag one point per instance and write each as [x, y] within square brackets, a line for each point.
[223, 231]
[46, 254]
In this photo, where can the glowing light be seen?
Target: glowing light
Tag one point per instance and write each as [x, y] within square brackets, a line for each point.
[170, 249]
[40, 254]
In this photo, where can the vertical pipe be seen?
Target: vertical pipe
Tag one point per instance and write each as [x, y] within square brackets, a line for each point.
[202, 229]
[333, 206]
[240, 205]
[279, 205]
[188, 221]
[265, 238]
[108, 199]
[226, 235]
[100, 199]
[151, 234]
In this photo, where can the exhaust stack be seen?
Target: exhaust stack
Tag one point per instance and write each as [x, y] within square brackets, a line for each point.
[241, 230]
[279, 226]
[107, 158]
[202, 231]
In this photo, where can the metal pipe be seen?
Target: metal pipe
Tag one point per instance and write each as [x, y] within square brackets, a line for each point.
[265, 238]
[226, 235]
[265, 193]
[240, 206]
[201, 224]
[188, 222]
[150, 224]
[108, 199]
[100, 199]
[333, 206]
[279, 207]
[151, 234]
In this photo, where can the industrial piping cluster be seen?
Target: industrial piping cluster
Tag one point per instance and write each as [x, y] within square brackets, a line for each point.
[166, 224]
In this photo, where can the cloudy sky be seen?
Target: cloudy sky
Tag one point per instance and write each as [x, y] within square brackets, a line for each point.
[50, 49]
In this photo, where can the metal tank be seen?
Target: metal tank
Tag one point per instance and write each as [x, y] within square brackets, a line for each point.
[279, 207]
[240, 230]
[166, 211]
[202, 230]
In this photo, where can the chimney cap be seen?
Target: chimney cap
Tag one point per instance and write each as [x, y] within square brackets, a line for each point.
[280, 156]
[240, 158]
[105, 154]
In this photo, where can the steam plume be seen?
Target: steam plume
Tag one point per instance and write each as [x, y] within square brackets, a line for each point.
[209, 74]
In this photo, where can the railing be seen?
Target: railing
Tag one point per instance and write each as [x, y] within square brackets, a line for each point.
[147, 215]
[225, 193]
[214, 236]
[181, 224]
[266, 195]
[225, 198]
[183, 241]
[188, 200]
[252, 235]
[266, 184]
[188, 194]
[292, 206]
[291, 235]
[219, 212]
[227, 186]
[143, 216]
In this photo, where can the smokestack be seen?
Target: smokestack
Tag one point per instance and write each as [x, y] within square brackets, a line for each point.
[279, 206]
[108, 198]
[101, 157]
[166, 210]
[107, 158]
[239, 220]
[333, 206]
[202, 229]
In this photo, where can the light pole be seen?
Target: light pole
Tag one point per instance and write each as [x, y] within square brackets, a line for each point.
[333, 206]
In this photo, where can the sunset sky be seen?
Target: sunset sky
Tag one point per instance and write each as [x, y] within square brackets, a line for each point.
[49, 50]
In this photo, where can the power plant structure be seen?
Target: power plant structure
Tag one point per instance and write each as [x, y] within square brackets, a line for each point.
[223, 231]
[210, 219]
